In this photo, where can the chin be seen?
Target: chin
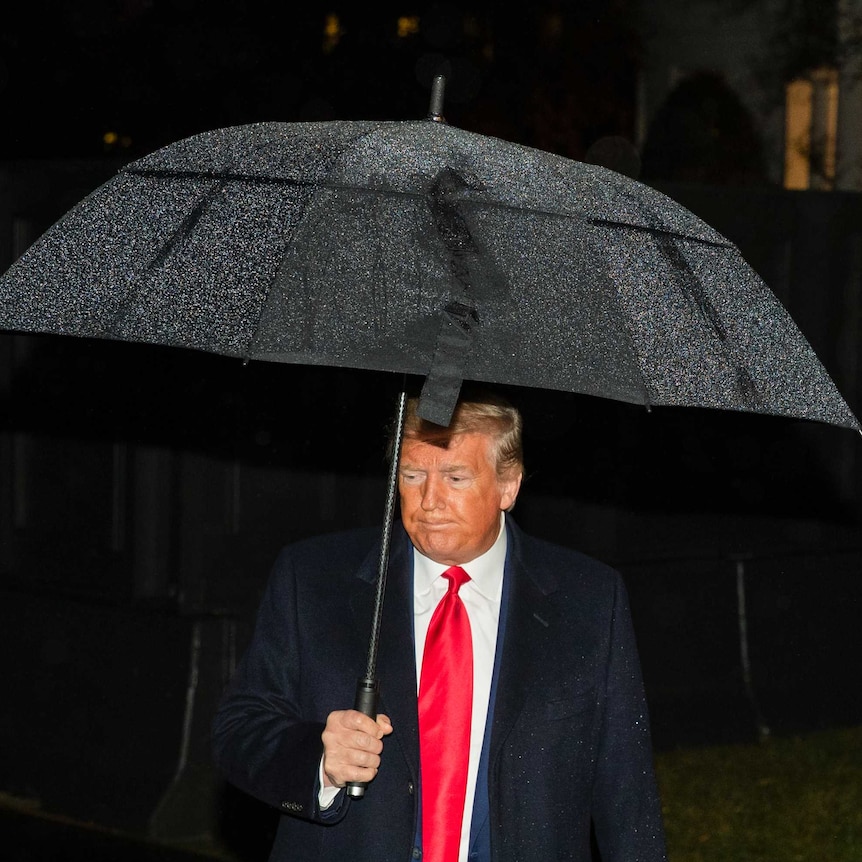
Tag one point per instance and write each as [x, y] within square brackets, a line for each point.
[443, 553]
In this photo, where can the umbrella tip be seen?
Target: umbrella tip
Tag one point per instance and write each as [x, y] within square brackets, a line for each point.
[435, 110]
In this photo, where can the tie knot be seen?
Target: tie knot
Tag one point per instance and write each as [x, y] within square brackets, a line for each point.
[457, 577]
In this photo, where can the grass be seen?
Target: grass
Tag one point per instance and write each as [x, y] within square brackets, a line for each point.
[796, 799]
[785, 800]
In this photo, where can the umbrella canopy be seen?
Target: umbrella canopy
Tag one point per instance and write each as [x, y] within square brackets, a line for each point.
[421, 248]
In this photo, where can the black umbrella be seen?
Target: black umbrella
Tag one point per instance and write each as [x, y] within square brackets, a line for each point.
[420, 248]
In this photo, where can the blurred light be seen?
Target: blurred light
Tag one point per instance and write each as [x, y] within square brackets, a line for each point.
[408, 25]
[552, 28]
[112, 141]
[332, 33]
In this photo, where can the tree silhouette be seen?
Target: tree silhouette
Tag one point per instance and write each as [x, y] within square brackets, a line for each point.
[703, 134]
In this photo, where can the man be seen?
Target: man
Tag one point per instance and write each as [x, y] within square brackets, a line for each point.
[550, 742]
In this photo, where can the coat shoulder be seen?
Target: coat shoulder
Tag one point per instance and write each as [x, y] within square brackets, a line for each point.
[540, 555]
[355, 542]
[562, 554]
[341, 554]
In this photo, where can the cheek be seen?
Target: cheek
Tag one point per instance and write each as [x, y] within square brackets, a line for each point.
[480, 512]
[409, 501]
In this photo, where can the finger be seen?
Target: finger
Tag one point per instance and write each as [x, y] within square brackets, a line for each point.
[339, 742]
[352, 758]
[364, 759]
[355, 720]
[340, 734]
[344, 765]
[365, 743]
[342, 775]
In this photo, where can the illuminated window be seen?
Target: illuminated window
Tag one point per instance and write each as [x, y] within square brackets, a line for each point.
[408, 25]
[810, 131]
[332, 33]
[797, 134]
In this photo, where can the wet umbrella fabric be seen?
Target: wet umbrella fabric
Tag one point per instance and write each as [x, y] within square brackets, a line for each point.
[420, 248]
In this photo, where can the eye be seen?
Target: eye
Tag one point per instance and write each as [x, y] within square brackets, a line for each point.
[410, 477]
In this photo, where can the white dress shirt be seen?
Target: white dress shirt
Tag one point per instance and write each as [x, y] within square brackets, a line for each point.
[481, 596]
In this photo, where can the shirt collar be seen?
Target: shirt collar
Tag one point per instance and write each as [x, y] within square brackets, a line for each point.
[486, 571]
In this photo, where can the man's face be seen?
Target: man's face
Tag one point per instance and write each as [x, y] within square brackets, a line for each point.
[451, 498]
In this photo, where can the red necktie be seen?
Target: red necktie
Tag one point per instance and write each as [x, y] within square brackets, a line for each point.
[445, 707]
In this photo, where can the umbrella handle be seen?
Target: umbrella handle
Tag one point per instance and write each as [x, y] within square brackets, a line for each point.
[367, 691]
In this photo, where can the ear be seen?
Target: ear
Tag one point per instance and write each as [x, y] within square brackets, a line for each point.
[509, 488]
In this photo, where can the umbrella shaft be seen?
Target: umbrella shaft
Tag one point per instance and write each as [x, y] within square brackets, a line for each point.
[388, 518]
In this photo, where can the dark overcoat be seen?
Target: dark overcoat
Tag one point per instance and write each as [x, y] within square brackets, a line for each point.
[570, 742]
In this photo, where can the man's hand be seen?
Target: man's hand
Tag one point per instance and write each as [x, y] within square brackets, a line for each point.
[352, 743]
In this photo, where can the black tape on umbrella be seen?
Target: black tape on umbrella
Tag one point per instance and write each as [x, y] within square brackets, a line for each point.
[443, 383]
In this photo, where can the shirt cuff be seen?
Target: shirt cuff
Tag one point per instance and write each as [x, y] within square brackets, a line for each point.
[326, 795]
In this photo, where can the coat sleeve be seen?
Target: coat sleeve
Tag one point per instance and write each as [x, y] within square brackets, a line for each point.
[261, 741]
[626, 806]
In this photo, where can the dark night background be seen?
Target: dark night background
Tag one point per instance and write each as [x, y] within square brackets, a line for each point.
[155, 72]
[145, 491]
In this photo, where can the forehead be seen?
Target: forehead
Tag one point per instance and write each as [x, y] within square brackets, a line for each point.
[470, 449]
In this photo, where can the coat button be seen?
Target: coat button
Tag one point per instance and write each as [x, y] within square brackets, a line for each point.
[410, 787]
[417, 853]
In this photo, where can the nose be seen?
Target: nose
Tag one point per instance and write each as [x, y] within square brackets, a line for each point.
[431, 498]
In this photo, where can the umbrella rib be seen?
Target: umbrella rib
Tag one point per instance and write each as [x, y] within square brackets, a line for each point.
[659, 231]
[324, 183]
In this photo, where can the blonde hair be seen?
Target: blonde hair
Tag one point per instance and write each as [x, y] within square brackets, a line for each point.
[475, 413]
